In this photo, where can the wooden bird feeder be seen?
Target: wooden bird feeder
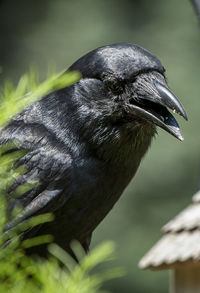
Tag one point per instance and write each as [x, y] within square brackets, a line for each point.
[179, 250]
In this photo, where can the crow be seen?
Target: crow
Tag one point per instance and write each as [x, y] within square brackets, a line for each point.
[85, 142]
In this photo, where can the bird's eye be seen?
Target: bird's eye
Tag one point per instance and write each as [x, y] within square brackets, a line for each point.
[116, 88]
[113, 85]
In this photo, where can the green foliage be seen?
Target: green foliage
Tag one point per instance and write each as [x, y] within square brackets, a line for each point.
[18, 272]
[29, 89]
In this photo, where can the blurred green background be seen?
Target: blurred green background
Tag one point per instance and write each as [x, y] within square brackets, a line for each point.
[47, 31]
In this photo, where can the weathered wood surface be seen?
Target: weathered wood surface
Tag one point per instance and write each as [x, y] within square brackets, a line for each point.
[180, 244]
[186, 280]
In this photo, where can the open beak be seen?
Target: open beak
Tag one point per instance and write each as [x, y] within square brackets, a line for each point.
[152, 106]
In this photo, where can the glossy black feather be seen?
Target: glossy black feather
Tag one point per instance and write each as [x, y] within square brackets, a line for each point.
[83, 146]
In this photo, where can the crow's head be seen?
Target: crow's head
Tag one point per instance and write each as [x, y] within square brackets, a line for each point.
[127, 83]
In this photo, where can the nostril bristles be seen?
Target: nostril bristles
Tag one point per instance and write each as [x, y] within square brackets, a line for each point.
[136, 101]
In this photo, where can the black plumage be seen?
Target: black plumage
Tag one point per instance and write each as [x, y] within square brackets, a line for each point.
[85, 142]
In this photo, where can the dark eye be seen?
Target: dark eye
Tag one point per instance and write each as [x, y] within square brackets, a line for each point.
[113, 85]
[116, 88]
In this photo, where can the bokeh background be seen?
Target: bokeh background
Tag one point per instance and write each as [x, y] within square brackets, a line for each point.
[59, 32]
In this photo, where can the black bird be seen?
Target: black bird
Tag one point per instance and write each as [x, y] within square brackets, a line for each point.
[86, 141]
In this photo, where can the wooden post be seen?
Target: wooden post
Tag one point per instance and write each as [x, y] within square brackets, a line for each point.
[185, 280]
[171, 281]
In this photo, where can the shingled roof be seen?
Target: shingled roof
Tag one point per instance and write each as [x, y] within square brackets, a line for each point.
[181, 241]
